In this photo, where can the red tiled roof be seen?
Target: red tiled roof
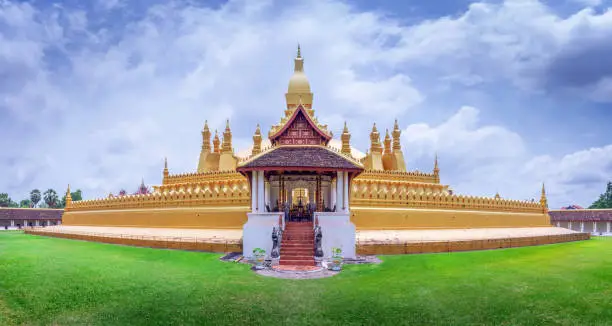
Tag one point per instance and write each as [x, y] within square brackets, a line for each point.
[573, 207]
[300, 158]
[30, 214]
[589, 215]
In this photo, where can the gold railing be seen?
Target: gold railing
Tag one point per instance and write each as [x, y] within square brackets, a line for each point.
[394, 193]
[212, 193]
[414, 176]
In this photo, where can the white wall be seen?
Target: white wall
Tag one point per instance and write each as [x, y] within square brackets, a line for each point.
[338, 231]
[257, 232]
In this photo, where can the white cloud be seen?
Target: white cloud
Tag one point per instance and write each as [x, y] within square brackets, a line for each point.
[121, 100]
[483, 159]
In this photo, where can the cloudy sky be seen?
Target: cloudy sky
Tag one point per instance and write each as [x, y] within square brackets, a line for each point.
[510, 94]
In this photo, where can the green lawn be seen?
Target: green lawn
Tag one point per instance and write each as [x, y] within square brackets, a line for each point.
[67, 282]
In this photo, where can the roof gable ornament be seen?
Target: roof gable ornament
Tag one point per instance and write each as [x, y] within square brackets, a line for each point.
[300, 129]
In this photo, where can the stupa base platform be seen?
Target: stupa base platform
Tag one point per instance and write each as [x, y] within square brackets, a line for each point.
[393, 242]
[211, 240]
[369, 242]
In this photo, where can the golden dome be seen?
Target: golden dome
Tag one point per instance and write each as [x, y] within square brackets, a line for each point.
[298, 83]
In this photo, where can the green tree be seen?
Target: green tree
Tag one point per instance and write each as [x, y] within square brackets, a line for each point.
[35, 197]
[25, 203]
[605, 199]
[50, 198]
[5, 200]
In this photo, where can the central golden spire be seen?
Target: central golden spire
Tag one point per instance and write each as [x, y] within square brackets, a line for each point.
[299, 87]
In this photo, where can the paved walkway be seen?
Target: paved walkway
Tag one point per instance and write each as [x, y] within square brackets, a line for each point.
[191, 235]
[363, 236]
[403, 236]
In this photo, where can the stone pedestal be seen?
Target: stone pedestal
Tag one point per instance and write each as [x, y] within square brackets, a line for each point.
[257, 232]
[338, 232]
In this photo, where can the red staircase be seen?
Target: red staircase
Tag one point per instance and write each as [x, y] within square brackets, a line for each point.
[297, 247]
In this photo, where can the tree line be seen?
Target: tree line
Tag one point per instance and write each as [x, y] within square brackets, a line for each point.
[605, 199]
[48, 199]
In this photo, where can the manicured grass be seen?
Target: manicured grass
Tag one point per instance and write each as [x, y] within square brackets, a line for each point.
[67, 282]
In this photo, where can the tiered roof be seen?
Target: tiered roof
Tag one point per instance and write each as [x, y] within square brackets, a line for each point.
[30, 214]
[581, 215]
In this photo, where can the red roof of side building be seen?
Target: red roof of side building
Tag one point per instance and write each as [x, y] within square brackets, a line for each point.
[30, 213]
[586, 215]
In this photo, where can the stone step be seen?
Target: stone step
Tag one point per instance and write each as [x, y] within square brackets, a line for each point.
[310, 262]
[297, 257]
[309, 253]
[298, 247]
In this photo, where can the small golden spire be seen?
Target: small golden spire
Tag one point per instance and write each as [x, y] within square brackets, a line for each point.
[543, 200]
[165, 172]
[68, 198]
[205, 137]
[346, 138]
[375, 146]
[387, 142]
[436, 170]
[396, 137]
[257, 141]
[227, 139]
[216, 142]
[299, 51]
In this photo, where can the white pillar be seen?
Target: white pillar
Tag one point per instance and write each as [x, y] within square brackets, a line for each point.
[267, 195]
[608, 227]
[558, 224]
[594, 227]
[36, 223]
[346, 192]
[339, 192]
[260, 192]
[332, 194]
[254, 192]
[12, 222]
[25, 222]
[582, 226]
[569, 225]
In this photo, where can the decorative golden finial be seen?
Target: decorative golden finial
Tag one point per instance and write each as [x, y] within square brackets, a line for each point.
[436, 169]
[299, 51]
[346, 138]
[205, 137]
[216, 142]
[257, 141]
[543, 200]
[387, 142]
[165, 172]
[227, 139]
[396, 137]
[68, 197]
[375, 146]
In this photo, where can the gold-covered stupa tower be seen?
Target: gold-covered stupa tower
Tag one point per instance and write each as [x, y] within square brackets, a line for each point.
[382, 195]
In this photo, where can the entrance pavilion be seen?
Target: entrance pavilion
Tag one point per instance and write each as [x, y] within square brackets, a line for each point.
[300, 180]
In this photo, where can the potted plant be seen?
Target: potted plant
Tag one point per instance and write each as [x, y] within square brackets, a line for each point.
[336, 259]
[259, 256]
